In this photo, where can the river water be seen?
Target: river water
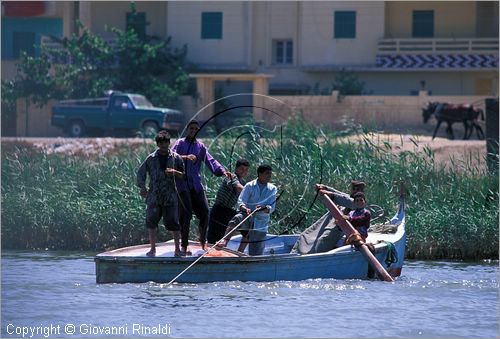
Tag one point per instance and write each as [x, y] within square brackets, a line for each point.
[54, 294]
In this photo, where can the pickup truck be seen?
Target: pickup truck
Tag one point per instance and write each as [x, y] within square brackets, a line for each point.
[115, 114]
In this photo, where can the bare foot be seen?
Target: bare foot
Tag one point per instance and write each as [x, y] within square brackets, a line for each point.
[186, 252]
[151, 253]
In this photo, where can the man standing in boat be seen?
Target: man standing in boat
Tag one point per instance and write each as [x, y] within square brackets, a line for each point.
[162, 166]
[191, 192]
[256, 194]
[324, 234]
[226, 199]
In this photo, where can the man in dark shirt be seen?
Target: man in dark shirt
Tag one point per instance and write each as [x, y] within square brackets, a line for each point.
[162, 166]
[224, 208]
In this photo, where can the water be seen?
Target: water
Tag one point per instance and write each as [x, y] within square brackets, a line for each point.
[50, 294]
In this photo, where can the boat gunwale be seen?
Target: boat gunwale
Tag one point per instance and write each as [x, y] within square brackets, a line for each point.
[107, 257]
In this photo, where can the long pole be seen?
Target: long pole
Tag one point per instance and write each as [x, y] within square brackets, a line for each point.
[211, 248]
[349, 230]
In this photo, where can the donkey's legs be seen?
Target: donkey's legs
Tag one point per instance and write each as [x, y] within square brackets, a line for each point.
[450, 131]
[468, 130]
[436, 129]
[479, 131]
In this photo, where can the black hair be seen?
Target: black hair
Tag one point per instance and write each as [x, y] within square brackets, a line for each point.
[162, 136]
[357, 183]
[264, 167]
[193, 122]
[359, 195]
[242, 162]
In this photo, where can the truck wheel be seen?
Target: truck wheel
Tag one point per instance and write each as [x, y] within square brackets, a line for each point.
[76, 129]
[150, 128]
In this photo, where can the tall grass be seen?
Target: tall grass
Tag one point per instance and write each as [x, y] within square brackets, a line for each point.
[85, 202]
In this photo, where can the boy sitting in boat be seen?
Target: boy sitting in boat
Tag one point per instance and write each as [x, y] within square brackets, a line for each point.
[360, 216]
[256, 193]
[324, 235]
[224, 208]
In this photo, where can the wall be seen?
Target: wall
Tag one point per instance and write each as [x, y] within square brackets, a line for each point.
[452, 19]
[389, 113]
[320, 48]
[33, 121]
[114, 14]
[184, 25]
[397, 114]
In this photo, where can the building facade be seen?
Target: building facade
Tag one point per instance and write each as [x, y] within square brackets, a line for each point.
[394, 47]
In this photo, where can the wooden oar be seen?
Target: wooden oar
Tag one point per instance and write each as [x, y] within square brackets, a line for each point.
[349, 230]
[211, 248]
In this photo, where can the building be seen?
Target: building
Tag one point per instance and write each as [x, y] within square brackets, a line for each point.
[446, 48]
[394, 47]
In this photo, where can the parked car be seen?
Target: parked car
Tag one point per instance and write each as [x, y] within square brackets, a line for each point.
[118, 113]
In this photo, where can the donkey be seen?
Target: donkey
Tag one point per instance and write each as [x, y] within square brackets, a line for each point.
[455, 113]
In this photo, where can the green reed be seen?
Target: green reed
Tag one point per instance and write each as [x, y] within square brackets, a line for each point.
[92, 203]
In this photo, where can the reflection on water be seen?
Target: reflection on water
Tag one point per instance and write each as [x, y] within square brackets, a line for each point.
[431, 299]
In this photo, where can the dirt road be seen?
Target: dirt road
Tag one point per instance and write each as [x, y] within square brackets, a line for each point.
[445, 151]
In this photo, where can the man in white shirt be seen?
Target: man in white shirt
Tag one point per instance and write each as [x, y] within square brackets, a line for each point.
[256, 194]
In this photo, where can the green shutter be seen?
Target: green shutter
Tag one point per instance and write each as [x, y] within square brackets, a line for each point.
[344, 25]
[211, 25]
[423, 24]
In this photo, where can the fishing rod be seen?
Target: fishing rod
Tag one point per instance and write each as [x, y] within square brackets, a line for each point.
[216, 115]
[286, 231]
[213, 246]
[217, 242]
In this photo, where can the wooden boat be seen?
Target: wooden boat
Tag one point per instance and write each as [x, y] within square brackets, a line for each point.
[131, 265]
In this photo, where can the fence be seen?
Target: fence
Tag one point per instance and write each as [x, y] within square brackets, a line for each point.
[399, 114]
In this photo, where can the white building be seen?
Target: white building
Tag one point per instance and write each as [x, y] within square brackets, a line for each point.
[394, 47]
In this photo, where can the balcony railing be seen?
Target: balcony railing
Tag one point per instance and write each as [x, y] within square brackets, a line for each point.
[438, 46]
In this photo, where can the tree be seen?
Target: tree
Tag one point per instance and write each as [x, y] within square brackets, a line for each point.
[347, 83]
[87, 66]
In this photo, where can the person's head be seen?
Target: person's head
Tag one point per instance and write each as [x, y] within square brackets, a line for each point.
[264, 173]
[359, 200]
[192, 128]
[242, 166]
[163, 141]
[357, 186]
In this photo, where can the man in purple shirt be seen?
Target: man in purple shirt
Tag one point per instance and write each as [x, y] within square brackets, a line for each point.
[191, 193]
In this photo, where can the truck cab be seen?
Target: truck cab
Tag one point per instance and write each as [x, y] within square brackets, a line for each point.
[119, 113]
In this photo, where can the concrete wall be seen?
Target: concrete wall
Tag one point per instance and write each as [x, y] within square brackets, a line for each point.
[114, 14]
[318, 46]
[401, 114]
[184, 24]
[33, 121]
[452, 19]
[396, 114]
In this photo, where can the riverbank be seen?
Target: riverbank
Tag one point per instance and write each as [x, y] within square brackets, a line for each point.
[80, 193]
[446, 152]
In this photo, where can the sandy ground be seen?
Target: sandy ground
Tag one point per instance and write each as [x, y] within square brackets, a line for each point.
[446, 152]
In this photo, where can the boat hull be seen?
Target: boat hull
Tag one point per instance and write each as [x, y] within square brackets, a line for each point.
[130, 265]
[348, 266]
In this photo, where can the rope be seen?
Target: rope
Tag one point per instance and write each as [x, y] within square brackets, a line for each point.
[392, 254]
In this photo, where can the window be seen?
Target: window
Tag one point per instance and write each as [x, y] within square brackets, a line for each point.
[23, 42]
[344, 25]
[211, 25]
[137, 22]
[423, 24]
[282, 52]
[122, 103]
